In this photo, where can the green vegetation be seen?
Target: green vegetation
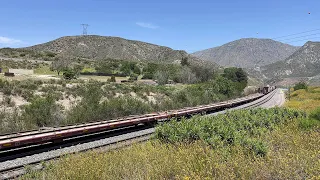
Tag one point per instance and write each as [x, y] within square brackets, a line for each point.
[41, 112]
[180, 73]
[94, 101]
[113, 79]
[237, 75]
[307, 100]
[272, 148]
[278, 143]
[300, 85]
[27, 54]
[69, 74]
[44, 69]
[243, 127]
[6, 64]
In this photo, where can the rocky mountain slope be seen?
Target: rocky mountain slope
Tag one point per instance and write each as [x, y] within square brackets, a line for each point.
[103, 47]
[247, 53]
[304, 63]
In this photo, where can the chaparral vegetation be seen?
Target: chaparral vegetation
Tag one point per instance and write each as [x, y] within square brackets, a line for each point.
[276, 143]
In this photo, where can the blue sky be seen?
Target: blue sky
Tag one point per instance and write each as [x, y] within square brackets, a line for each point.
[179, 24]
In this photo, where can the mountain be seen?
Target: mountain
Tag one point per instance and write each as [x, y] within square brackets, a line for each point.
[247, 53]
[304, 64]
[103, 47]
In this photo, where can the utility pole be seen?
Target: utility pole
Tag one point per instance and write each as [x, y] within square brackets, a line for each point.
[85, 29]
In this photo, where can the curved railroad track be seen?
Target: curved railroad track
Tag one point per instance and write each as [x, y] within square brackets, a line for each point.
[14, 161]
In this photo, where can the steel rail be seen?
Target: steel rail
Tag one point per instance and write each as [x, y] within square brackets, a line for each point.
[15, 171]
[55, 129]
[59, 133]
[19, 170]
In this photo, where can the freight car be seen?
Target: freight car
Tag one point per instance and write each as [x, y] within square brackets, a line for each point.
[57, 134]
[265, 89]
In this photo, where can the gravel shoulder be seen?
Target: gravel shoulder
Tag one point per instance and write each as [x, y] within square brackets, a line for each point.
[277, 100]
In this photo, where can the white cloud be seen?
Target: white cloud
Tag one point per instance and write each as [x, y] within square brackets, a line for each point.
[147, 25]
[9, 41]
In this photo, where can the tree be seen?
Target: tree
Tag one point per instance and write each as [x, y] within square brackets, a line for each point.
[184, 61]
[61, 64]
[127, 67]
[113, 78]
[186, 76]
[69, 74]
[162, 77]
[203, 73]
[42, 112]
[237, 75]
[133, 77]
[300, 85]
[224, 86]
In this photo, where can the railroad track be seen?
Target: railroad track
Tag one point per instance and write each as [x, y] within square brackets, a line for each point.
[13, 162]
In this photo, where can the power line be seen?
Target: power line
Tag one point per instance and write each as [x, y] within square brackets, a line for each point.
[302, 40]
[84, 29]
[280, 37]
[300, 37]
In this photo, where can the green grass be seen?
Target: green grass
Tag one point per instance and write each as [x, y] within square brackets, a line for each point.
[242, 127]
[293, 154]
[307, 100]
[279, 143]
[45, 70]
[88, 69]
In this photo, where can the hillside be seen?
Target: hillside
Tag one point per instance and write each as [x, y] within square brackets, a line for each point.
[304, 65]
[305, 62]
[247, 53]
[102, 47]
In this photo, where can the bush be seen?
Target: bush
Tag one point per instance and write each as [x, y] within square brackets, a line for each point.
[42, 112]
[88, 108]
[123, 106]
[147, 75]
[162, 77]
[300, 85]
[315, 114]
[113, 78]
[69, 74]
[133, 77]
[308, 123]
[237, 75]
[243, 127]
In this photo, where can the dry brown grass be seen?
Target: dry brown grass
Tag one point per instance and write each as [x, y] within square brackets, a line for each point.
[295, 155]
[307, 100]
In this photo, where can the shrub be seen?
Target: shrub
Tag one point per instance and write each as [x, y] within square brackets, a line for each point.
[162, 77]
[69, 74]
[315, 114]
[42, 112]
[113, 78]
[243, 127]
[50, 54]
[308, 123]
[300, 85]
[133, 77]
[123, 106]
[237, 75]
[147, 75]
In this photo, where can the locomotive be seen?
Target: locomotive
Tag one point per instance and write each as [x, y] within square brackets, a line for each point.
[266, 89]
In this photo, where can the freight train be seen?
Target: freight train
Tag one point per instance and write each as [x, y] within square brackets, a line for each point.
[11, 141]
[265, 89]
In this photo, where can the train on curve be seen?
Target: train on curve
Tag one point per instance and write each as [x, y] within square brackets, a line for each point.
[21, 139]
[265, 89]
